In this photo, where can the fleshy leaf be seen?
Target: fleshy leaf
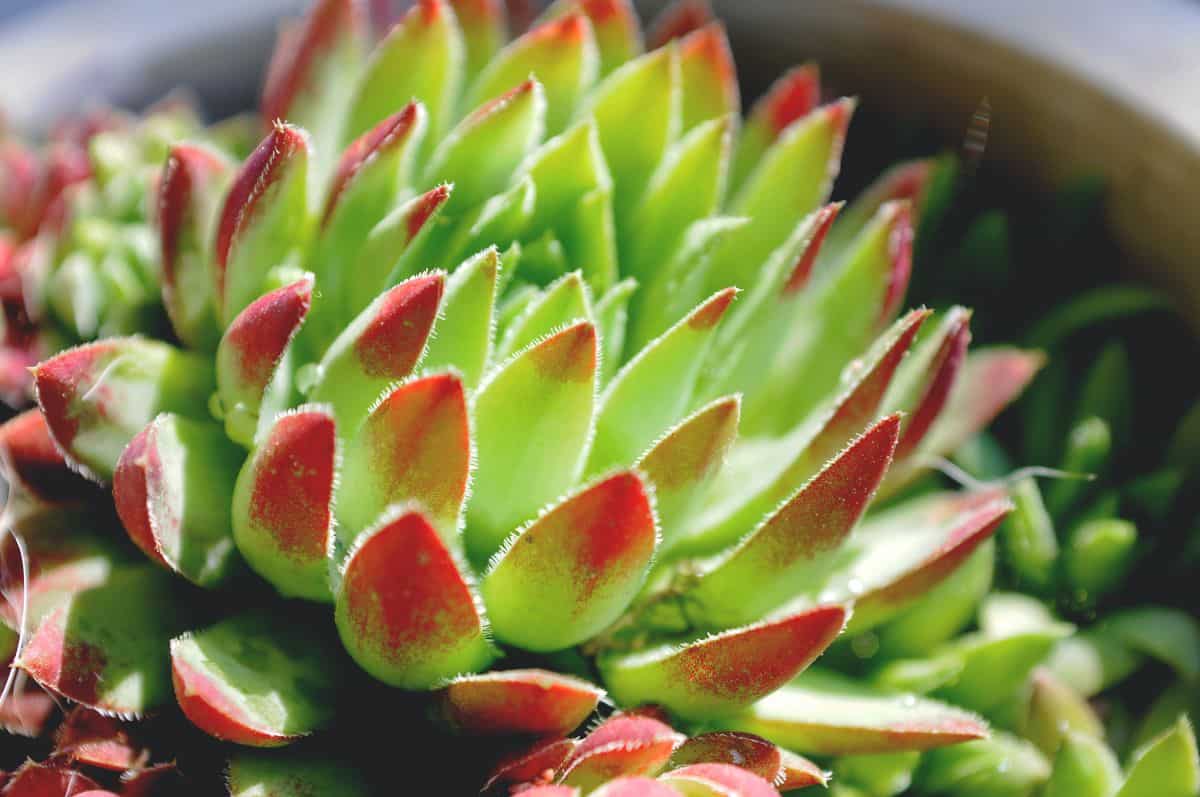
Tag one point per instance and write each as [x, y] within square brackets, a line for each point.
[571, 572]
[685, 189]
[836, 321]
[35, 464]
[282, 503]
[255, 680]
[483, 29]
[761, 475]
[636, 110]
[723, 674]
[752, 753]
[193, 180]
[404, 610]
[421, 58]
[615, 26]
[708, 76]
[793, 178]
[173, 487]
[463, 336]
[683, 462]
[1170, 635]
[612, 314]
[825, 714]
[382, 345]
[564, 302]
[93, 739]
[265, 217]
[398, 247]
[793, 547]
[533, 702]
[1002, 764]
[373, 172]
[635, 787]
[312, 72]
[96, 397]
[624, 745]
[414, 445]
[533, 418]
[277, 774]
[1057, 711]
[991, 379]
[793, 95]
[105, 647]
[717, 780]
[627, 422]
[887, 570]
[1166, 767]
[562, 54]
[483, 151]
[252, 350]
[1084, 767]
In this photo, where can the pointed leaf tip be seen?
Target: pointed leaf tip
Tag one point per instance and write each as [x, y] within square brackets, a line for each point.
[574, 570]
[795, 95]
[791, 548]
[530, 764]
[724, 673]
[527, 702]
[255, 341]
[802, 270]
[900, 249]
[404, 611]
[282, 505]
[945, 368]
[386, 137]
[678, 20]
[292, 65]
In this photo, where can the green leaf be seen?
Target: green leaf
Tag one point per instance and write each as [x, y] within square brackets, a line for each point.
[655, 389]
[482, 152]
[484, 31]
[821, 713]
[793, 178]
[381, 346]
[686, 186]
[462, 337]
[1028, 538]
[636, 112]
[564, 302]
[573, 571]
[793, 95]
[421, 58]
[533, 418]
[257, 679]
[1084, 767]
[292, 774]
[106, 646]
[1098, 556]
[173, 487]
[724, 674]
[266, 218]
[1002, 766]
[683, 462]
[791, 551]
[560, 52]
[1092, 661]
[1056, 712]
[707, 75]
[612, 314]
[1170, 635]
[880, 774]
[1166, 767]
[835, 322]
[96, 397]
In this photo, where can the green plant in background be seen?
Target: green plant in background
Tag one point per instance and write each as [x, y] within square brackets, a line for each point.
[459, 398]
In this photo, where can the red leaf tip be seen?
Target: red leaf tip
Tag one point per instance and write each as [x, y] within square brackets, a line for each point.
[707, 315]
[826, 216]
[794, 96]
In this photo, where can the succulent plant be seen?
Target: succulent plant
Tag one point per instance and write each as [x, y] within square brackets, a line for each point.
[452, 400]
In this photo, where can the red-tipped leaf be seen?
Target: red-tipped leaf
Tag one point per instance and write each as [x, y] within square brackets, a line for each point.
[622, 746]
[532, 702]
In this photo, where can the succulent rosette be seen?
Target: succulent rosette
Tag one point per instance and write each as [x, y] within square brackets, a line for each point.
[524, 378]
